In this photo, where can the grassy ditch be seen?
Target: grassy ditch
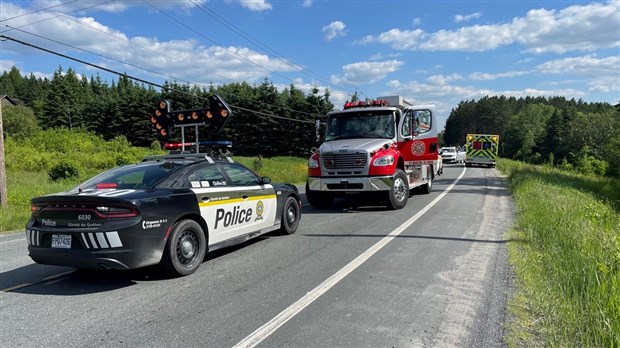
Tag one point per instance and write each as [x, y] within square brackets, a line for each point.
[568, 259]
[23, 185]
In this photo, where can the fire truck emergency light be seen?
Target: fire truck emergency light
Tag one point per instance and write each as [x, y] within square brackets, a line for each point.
[361, 103]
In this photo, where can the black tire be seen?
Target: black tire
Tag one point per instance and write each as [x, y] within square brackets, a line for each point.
[290, 216]
[185, 249]
[426, 188]
[319, 199]
[398, 195]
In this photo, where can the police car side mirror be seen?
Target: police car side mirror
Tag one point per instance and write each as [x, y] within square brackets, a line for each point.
[265, 180]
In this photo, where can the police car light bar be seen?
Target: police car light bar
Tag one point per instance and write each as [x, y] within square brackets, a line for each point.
[369, 103]
[176, 146]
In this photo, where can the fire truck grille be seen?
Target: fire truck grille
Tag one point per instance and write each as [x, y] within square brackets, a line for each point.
[345, 160]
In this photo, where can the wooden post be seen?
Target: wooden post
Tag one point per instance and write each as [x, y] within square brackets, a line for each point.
[3, 195]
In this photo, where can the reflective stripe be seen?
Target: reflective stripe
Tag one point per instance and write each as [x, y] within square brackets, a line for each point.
[115, 241]
[101, 240]
[85, 241]
[92, 240]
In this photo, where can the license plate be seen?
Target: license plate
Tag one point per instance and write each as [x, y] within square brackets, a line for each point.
[61, 241]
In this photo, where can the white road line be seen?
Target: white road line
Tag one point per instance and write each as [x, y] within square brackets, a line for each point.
[270, 327]
[13, 240]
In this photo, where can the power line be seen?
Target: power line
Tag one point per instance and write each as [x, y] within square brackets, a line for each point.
[131, 43]
[215, 42]
[260, 45]
[39, 10]
[2, 36]
[57, 14]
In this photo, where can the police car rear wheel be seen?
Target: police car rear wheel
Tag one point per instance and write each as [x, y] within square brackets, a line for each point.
[398, 195]
[185, 248]
[290, 216]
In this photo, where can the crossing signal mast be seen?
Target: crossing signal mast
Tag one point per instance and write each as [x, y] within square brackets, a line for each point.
[213, 118]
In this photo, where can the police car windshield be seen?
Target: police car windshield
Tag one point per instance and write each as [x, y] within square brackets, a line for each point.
[360, 125]
[133, 176]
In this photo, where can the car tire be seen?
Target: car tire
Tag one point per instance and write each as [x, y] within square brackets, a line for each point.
[319, 199]
[398, 195]
[291, 213]
[185, 248]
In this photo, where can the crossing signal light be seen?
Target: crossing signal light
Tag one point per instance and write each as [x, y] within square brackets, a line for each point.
[218, 114]
[187, 117]
[160, 119]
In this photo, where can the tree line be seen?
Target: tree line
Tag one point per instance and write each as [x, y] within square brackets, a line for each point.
[562, 132]
[264, 122]
[555, 130]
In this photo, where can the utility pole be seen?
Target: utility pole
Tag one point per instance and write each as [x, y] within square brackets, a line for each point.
[3, 190]
[3, 194]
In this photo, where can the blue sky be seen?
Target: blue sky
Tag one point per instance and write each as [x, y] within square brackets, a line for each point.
[430, 52]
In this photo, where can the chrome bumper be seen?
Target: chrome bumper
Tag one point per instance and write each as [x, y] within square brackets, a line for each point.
[354, 184]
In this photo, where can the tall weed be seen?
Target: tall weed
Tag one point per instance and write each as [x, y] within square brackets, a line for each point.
[569, 265]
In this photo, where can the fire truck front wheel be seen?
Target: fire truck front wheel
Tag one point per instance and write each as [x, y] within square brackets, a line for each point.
[398, 195]
[319, 199]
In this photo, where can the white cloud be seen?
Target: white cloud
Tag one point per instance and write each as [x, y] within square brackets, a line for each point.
[479, 76]
[181, 59]
[416, 22]
[307, 3]
[366, 72]
[474, 38]
[600, 74]
[444, 79]
[396, 38]
[6, 65]
[445, 97]
[333, 30]
[382, 56]
[112, 7]
[575, 28]
[256, 5]
[465, 18]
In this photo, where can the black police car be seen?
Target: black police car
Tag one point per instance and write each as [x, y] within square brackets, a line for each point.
[167, 210]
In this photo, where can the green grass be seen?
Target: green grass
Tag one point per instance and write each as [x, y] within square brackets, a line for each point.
[280, 169]
[24, 185]
[21, 187]
[567, 258]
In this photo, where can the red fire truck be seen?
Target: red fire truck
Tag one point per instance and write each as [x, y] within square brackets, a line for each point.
[382, 148]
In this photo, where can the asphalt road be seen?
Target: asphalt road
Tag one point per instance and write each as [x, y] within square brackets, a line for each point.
[433, 274]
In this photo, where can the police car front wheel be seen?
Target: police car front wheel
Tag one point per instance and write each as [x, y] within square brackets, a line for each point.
[185, 248]
[290, 216]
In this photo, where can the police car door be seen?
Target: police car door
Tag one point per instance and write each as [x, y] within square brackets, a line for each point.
[259, 202]
[218, 202]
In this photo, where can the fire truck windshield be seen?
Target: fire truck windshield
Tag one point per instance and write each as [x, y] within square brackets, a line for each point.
[360, 125]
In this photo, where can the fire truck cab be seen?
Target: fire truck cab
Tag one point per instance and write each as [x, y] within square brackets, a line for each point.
[383, 148]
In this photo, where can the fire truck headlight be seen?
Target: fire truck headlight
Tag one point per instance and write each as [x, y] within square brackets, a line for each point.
[312, 163]
[384, 161]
